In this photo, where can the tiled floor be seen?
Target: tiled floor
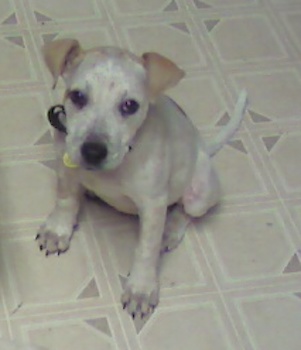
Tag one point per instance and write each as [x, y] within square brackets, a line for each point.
[235, 282]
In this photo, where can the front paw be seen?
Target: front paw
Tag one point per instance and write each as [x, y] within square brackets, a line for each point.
[51, 242]
[140, 296]
[55, 234]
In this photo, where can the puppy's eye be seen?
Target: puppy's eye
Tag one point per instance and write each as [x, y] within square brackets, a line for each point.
[78, 98]
[128, 107]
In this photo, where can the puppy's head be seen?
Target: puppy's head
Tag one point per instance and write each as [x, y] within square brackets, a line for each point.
[108, 92]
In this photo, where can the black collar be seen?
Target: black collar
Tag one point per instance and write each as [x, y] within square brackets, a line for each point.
[55, 115]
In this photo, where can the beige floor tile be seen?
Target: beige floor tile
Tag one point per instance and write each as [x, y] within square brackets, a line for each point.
[23, 185]
[205, 104]
[237, 161]
[237, 243]
[4, 330]
[285, 2]
[274, 94]
[175, 41]
[133, 7]
[286, 161]
[7, 9]
[279, 148]
[88, 37]
[15, 63]
[91, 329]
[200, 4]
[291, 19]
[267, 318]
[32, 281]
[28, 115]
[294, 207]
[234, 282]
[253, 39]
[63, 10]
[192, 323]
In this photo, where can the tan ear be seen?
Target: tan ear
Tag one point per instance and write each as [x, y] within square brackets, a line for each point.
[162, 73]
[59, 54]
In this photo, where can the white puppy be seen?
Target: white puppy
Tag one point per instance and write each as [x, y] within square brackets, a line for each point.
[134, 148]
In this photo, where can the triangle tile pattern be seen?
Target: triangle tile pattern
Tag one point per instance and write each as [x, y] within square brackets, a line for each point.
[41, 18]
[140, 323]
[294, 265]
[51, 164]
[201, 4]
[238, 144]
[224, 120]
[181, 26]
[122, 280]
[12, 19]
[17, 40]
[45, 139]
[49, 37]
[270, 141]
[211, 23]
[258, 118]
[100, 324]
[90, 291]
[298, 295]
[172, 6]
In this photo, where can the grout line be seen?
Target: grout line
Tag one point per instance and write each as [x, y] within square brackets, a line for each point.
[6, 313]
[220, 293]
[110, 288]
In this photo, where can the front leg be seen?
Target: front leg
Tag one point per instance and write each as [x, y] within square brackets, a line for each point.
[141, 291]
[55, 234]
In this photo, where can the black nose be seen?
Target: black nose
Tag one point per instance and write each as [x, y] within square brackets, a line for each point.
[94, 152]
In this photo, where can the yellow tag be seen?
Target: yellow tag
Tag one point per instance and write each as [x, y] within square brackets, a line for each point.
[68, 162]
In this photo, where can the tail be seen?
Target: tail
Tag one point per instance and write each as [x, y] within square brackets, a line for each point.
[230, 129]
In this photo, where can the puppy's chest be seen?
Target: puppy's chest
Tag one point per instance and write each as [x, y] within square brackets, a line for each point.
[110, 189]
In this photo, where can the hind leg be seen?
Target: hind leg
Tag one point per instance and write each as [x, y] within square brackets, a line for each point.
[202, 193]
[175, 227]
[204, 190]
